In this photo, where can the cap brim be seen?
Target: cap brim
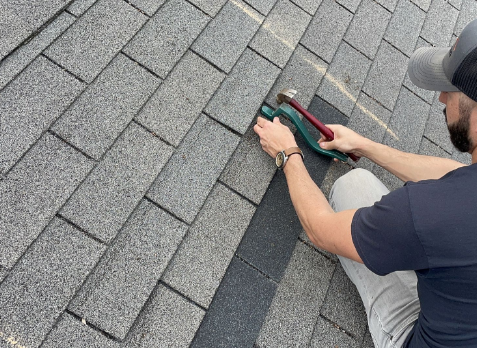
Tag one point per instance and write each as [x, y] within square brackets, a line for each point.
[426, 71]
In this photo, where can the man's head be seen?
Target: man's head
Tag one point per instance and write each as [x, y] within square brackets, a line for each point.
[453, 71]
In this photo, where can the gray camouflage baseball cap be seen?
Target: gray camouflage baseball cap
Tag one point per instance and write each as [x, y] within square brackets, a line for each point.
[448, 69]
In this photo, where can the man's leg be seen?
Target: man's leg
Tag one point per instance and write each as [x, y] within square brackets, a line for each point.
[391, 302]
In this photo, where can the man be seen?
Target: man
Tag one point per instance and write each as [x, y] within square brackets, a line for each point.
[412, 253]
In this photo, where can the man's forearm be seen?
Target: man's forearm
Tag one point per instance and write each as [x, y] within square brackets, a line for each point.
[408, 166]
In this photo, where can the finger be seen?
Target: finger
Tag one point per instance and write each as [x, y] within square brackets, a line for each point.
[261, 121]
[257, 129]
[276, 120]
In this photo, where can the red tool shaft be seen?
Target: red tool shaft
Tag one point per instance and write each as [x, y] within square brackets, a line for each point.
[318, 124]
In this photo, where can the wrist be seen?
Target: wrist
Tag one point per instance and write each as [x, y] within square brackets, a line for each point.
[293, 162]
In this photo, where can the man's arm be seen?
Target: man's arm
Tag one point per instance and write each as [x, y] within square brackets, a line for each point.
[406, 166]
[326, 229]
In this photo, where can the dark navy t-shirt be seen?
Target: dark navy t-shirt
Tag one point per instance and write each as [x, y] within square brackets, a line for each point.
[430, 227]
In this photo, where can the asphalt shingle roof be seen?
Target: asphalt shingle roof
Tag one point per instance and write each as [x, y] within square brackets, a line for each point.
[137, 208]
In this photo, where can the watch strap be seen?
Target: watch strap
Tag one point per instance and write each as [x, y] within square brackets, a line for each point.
[293, 150]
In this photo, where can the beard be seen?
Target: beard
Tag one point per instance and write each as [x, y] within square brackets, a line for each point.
[459, 131]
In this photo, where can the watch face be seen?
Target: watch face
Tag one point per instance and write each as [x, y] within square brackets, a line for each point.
[279, 159]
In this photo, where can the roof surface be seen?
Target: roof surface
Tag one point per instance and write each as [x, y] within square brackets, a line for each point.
[137, 208]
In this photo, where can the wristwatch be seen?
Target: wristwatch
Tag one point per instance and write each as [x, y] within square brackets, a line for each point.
[282, 156]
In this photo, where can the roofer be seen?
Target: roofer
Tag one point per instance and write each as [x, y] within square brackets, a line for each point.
[412, 253]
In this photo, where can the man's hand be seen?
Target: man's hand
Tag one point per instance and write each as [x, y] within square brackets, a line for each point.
[346, 141]
[274, 136]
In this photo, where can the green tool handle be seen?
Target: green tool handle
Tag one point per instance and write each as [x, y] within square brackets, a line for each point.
[289, 113]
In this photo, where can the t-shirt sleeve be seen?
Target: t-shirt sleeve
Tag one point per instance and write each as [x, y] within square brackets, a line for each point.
[384, 235]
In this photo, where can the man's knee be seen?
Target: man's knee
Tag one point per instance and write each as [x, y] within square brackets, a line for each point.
[357, 188]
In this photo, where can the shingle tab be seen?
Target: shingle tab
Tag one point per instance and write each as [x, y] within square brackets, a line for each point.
[303, 73]
[105, 199]
[13, 30]
[181, 98]
[430, 149]
[3, 273]
[249, 161]
[309, 6]
[343, 80]
[115, 292]
[238, 310]
[34, 190]
[71, 333]
[202, 259]
[30, 104]
[331, 22]
[92, 41]
[326, 334]
[351, 5]
[194, 168]
[467, 13]
[405, 26]
[439, 24]
[390, 5]
[262, 6]
[169, 320]
[281, 31]
[25, 54]
[228, 104]
[161, 43]
[78, 7]
[148, 6]
[297, 302]
[211, 7]
[386, 75]
[40, 286]
[367, 28]
[232, 28]
[423, 4]
[107, 106]
[352, 316]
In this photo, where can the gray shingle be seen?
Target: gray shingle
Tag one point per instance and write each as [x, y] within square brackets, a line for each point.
[309, 6]
[78, 7]
[249, 161]
[456, 3]
[298, 299]
[181, 98]
[115, 292]
[148, 6]
[423, 4]
[439, 24]
[466, 15]
[351, 5]
[326, 334]
[186, 181]
[344, 78]
[369, 118]
[40, 286]
[166, 37]
[71, 333]
[343, 305]
[92, 41]
[430, 149]
[238, 99]
[36, 12]
[367, 28]
[436, 127]
[105, 199]
[391, 181]
[461, 157]
[211, 7]
[13, 30]
[423, 93]
[405, 26]
[407, 122]
[331, 22]
[227, 36]
[202, 259]
[34, 190]
[102, 112]
[303, 73]
[262, 6]
[281, 31]
[388, 4]
[337, 169]
[169, 320]
[30, 104]
[3, 273]
[25, 54]
[368, 340]
[386, 75]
